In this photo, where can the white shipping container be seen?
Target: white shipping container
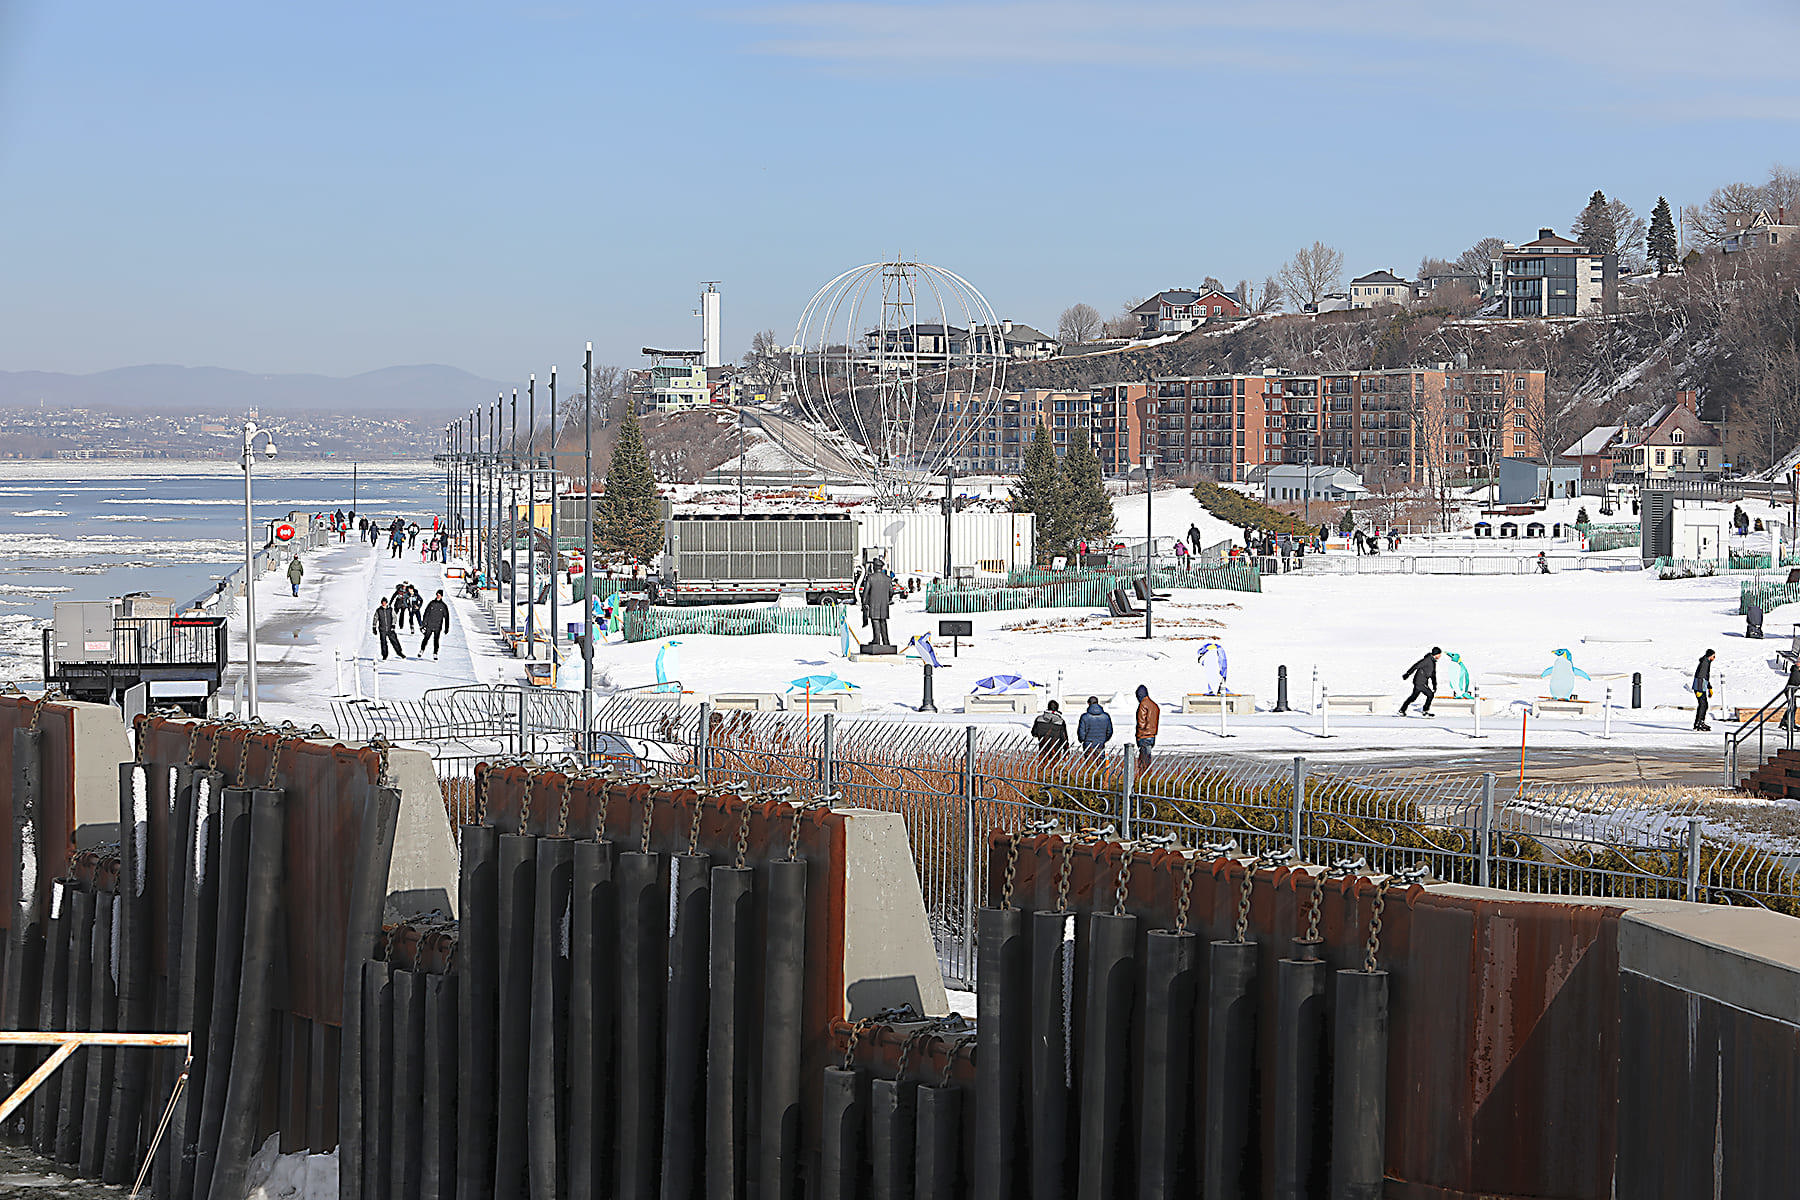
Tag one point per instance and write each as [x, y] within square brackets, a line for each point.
[912, 543]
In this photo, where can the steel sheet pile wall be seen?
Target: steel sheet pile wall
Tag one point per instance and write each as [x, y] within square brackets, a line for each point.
[643, 983]
[1151, 1026]
[249, 860]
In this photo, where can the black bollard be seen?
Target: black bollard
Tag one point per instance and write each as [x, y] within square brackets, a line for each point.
[378, 1078]
[78, 927]
[684, 1050]
[1164, 1150]
[893, 1138]
[103, 1014]
[643, 981]
[783, 1017]
[1359, 1085]
[1051, 1055]
[406, 1159]
[1001, 1005]
[1104, 1171]
[730, 1028]
[226, 967]
[928, 703]
[842, 1174]
[478, 999]
[1637, 689]
[1281, 689]
[593, 1019]
[1228, 1168]
[938, 1174]
[437, 1136]
[547, 1086]
[1298, 1148]
[517, 891]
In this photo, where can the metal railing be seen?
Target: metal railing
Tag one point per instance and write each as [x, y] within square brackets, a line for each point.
[158, 641]
[1523, 563]
[1778, 709]
[955, 785]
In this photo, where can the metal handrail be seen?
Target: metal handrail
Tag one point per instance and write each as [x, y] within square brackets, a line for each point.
[1781, 705]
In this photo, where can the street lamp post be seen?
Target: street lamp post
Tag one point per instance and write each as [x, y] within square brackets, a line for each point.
[251, 433]
[555, 560]
[512, 518]
[1149, 545]
[531, 518]
[587, 546]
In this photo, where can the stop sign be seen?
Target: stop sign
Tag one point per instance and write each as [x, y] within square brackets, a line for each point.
[284, 532]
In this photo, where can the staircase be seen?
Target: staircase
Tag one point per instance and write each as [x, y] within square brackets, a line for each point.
[1766, 740]
[1778, 778]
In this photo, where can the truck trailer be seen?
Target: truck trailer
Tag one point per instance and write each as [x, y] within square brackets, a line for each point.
[724, 558]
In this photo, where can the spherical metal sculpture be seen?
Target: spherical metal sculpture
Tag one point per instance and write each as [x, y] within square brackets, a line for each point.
[906, 361]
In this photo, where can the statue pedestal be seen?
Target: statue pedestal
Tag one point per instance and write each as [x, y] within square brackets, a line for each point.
[879, 648]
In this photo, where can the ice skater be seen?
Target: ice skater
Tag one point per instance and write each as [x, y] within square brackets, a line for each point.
[1702, 692]
[384, 628]
[1424, 681]
[437, 619]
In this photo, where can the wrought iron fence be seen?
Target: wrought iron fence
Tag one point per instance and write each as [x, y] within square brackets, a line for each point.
[953, 786]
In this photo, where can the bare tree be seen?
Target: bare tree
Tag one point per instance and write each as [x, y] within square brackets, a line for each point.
[1313, 272]
[766, 364]
[1212, 284]
[1478, 260]
[1271, 296]
[1078, 323]
[1125, 325]
[1429, 266]
[1782, 190]
[1629, 231]
[1708, 223]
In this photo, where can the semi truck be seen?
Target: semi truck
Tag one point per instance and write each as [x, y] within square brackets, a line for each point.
[725, 558]
[99, 649]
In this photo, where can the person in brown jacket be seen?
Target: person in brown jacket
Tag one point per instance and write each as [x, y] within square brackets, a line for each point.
[1149, 717]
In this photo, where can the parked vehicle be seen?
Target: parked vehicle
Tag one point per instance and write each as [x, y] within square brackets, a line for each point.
[724, 558]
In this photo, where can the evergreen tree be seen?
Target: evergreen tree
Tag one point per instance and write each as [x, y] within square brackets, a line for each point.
[629, 521]
[1662, 244]
[1347, 523]
[1036, 492]
[1594, 228]
[1085, 510]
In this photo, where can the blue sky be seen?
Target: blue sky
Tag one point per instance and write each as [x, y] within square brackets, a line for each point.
[336, 187]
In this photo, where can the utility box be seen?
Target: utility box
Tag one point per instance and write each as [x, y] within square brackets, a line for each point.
[83, 630]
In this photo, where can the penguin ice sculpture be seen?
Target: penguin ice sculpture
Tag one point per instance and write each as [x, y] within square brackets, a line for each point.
[668, 663]
[1562, 675]
[1213, 668]
[1459, 678]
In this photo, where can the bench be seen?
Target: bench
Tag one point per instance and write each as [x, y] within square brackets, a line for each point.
[1544, 707]
[1360, 704]
[836, 702]
[1008, 702]
[540, 674]
[1237, 704]
[747, 701]
[1464, 706]
[650, 697]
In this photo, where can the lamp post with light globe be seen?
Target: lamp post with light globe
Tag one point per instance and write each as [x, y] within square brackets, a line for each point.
[247, 459]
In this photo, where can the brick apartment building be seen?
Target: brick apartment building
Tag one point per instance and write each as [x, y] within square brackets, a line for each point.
[1407, 425]
[1120, 415]
[1003, 432]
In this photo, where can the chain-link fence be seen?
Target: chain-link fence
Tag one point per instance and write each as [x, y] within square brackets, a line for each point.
[954, 785]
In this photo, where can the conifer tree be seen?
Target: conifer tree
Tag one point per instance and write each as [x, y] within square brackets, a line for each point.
[1347, 522]
[1086, 511]
[1662, 244]
[1594, 228]
[629, 522]
[1036, 492]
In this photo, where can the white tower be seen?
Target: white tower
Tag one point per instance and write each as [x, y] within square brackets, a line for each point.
[709, 324]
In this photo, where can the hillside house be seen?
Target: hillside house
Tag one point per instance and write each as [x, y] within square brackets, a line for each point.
[1179, 310]
[1379, 287]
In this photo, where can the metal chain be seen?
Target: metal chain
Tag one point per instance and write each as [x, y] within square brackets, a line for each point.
[562, 812]
[143, 738]
[1373, 947]
[743, 833]
[212, 758]
[794, 832]
[531, 782]
[956, 1048]
[694, 825]
[38, 712]
[1124, 883]
[1012, 872]
[1184, 899]
[1243, 909]
[194, 742]
[601, 810]
[481, 795]
[1312, 909]
[906, 1051]
[1062, 875]
[644, 831]
[856, 1032]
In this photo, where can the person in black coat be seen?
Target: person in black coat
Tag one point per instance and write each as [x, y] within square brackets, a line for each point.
[1702, 691]
[1424, 680]
[384, 628]
[1051, 731]
[436, 620]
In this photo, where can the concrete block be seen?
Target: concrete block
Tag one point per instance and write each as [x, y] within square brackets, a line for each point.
[101, 744]
[829, 702]
[1360, 704]
[648, 697]
[1237, 704]
[1747, 958]
[746, 701]
[1010, 702]
[423, 873]
[1462, 706]
[889, 956]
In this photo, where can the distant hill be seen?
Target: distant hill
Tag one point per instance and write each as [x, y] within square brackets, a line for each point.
[418, 389]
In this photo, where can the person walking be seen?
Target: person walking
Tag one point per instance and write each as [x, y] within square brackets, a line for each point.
[1149, 719]
[435, 620]
[1095, 729]
[1543, 564]
[295, 573]
[1051, 732]
[1424, 680]
[1702, 691]
[384, 628]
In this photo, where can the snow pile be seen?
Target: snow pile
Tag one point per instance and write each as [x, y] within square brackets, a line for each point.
[297, 1176]
[1171, 512]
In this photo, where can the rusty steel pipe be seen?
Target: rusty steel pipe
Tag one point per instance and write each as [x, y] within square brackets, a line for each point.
[684, 1049]
[1228, 1165]
[512, 1026]
[1164, 1151]
[593, 1020]
[1105, 1080]
[1002, 1005]
[783, 1034]
[548, 1108]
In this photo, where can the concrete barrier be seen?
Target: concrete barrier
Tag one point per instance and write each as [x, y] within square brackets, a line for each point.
[1237, 704]
[1359, 704]
[747, 701]
[1008, 702]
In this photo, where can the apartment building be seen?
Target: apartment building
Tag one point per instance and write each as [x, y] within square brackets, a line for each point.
[1407, 425]
[1001, 433]
[1121, 415]
[1554, 277]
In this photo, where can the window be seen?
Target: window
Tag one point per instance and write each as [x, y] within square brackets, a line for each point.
[1518, 441]
[1662, 458]
[1676, 437]
[1703, 459]
[1518, 385]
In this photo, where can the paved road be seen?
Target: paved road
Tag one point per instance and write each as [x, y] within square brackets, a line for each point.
[1601, 766]
[804, 444]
